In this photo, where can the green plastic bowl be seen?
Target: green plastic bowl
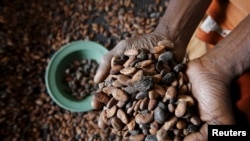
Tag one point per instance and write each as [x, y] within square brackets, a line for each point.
[55, 72]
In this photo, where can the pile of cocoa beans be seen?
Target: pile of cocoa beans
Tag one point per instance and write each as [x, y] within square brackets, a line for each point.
[79, 77]
[147, 96]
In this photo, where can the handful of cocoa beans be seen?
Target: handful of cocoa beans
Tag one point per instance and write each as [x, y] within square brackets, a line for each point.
[147, 96]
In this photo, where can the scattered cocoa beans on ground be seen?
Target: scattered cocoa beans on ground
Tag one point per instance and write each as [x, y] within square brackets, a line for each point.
[31, 32]
[148, 98]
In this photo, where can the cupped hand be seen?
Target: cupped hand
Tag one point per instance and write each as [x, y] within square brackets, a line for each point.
[145, 41]
[212, 95]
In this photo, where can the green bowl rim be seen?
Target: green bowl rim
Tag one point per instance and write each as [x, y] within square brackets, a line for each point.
[70, 104]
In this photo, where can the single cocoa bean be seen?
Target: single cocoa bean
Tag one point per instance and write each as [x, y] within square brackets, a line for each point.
[144, 103]
[160, 115]
[166, 43]
[181, 124]
[144, 84]
[101, 97]
[170, 123]
[195, 120]
[111, 103]
[152, 104]
[170, 94]
[144, 117]
[180, 109]
[127, 70]
[110, 112]
[158, 49]
[120, 95]
[166, 56]
[139, 137]
[122, 116]
[131, 125]
[116, 123]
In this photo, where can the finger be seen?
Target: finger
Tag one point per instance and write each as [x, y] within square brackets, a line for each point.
[104, 68]
[202, 135]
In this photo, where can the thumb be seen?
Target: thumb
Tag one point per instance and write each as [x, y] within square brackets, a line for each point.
[105, 62]
[103, 69]
[202, 135]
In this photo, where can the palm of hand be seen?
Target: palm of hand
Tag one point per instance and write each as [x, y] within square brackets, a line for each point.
[147, 41]
[213, 98]
[141, 42]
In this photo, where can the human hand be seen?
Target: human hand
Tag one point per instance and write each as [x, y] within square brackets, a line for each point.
[147, 41]
[213, 96]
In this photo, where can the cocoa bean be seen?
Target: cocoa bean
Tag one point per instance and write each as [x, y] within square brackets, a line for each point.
[181, 124]
[171, 107]
[130, 89]
[152, 104]
[179, 67]
[96, 104]
[180, 109]
[118, 60]
[195, 120]
[166, 56]
[144, 103]
[162, 134]
[122, 116]
[137, 76]
[116, 123]
[127, 70]
[170, 94]
[166, 43]
[160, 89]
[168, 78]
[110, 112]
[143, 55]
[170, 123]
[102, 122]
[153, 94]
[111, 102]
[141, 95]
[139, 137]
[121, 104]
[144, 84]
[158, 49]
[123, 79]
[144, 117]
[137, 105]
[144, 64]
[108, 90]
[105, 22]
[157, 78]
[160, 115]
[120, 95]
[115, 69]
[102, 97]
[150, 138]
[131, 125]
[192, 128]
[116, 83]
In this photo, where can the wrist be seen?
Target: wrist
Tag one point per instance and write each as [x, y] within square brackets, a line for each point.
[181, 19]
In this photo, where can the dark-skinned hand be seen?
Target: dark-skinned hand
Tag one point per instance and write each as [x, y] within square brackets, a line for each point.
[141, 42]
[212, 95]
